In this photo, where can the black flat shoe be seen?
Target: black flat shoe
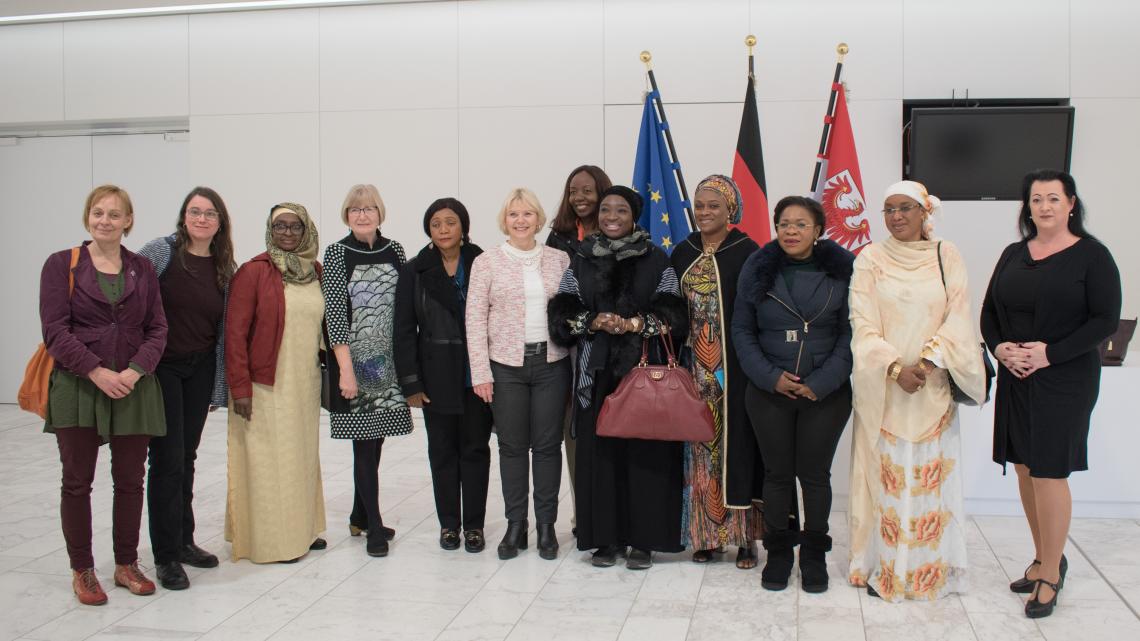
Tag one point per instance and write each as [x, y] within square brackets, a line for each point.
[196, 557]
[1035, 609]
[871, 592]
[357, 530]
[547, 541]
[171, 576]
[605, 556]
[473, 541]
[376, 547]
[318, 544]
[747, 557]
[639, 560]
[703, 556]
[449, 539]
[514, 540]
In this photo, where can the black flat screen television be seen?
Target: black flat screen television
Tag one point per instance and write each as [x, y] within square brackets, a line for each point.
[982, 153]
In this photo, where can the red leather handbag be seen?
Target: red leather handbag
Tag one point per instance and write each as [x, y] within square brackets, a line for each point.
[656, 403]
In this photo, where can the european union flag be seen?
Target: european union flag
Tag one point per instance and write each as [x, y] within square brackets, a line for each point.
[663, 215]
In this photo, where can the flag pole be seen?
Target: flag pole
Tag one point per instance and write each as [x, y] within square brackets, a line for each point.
[750, 42]
[842, 50]
[647, 58]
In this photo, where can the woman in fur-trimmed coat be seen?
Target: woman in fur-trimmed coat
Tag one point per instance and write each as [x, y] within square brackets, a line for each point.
[619, 289]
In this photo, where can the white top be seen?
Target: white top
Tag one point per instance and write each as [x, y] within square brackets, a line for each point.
[530, 262]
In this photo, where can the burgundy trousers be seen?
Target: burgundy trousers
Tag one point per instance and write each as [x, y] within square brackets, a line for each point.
[78, 452]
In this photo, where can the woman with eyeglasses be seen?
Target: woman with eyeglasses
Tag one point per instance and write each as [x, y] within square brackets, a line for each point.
[793, 339]
[366, 403]
[194, 267]
[912, 331]
[275, 505]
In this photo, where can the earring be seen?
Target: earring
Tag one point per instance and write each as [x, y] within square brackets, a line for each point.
[1070, 214]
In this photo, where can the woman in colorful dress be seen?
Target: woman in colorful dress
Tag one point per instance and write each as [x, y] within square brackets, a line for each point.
[366, 404]
[723, 478]
[911, 330]
[275, 504]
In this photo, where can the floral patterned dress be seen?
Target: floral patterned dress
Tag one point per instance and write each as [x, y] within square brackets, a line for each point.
[709, 522]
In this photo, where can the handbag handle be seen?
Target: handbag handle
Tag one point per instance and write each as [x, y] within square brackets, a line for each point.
[666, 341]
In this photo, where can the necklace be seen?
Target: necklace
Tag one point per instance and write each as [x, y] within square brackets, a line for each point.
[529, 259]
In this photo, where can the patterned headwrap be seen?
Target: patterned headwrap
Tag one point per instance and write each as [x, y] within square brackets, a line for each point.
[916, 191]
[725, 186]
[296, 266]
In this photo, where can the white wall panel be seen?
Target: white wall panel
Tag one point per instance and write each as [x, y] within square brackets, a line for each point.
[129, 68]
[795, 52]
[395, 56]
[44, 182]
[411, 156]
[533, 147]
[255, 162]
[31, 72]
[153, 170]
[253, 62]
[1107, 133]
[698, 51]
[515, 53]
[1008, 49]
[1103, 41]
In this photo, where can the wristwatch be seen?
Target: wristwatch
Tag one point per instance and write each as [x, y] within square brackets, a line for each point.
[894, 370]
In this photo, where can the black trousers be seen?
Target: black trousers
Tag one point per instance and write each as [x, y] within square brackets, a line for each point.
[529, 403]
[366, 494]
[797, 439]
[459, 453]
[187, 385]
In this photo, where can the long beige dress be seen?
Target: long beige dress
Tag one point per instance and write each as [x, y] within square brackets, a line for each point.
[275, 503]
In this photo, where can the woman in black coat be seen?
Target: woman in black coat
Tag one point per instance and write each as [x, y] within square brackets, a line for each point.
[620, 289]
[723, 477]
[434, 375]
[793, 338]
[1054, 296]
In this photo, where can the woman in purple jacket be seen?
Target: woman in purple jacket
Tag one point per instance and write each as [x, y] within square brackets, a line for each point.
[106, 336]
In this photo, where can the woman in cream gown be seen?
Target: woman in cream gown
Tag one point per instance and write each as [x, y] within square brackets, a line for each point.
[911, 328]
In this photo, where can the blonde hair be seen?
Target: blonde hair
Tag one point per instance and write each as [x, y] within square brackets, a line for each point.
[101, 192]
[363, 194]
[527, 197]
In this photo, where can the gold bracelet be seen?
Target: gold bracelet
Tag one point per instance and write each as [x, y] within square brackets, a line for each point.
[894, 370]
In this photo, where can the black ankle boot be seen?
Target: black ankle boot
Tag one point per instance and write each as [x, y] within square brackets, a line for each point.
[514, 540]
[781, 557]
[547, 541]
[813, 561]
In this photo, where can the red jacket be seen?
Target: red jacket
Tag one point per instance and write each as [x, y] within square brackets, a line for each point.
[255, 323]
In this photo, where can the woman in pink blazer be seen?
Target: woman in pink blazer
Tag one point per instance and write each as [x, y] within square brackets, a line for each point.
[517, 370]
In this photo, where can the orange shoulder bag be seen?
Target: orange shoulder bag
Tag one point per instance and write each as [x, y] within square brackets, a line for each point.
[33, 395]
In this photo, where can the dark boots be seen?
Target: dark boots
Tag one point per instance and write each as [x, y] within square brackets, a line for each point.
[514, 539]
[781, 558]
[813, 561]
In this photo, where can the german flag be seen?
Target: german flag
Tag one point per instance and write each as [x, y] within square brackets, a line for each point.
[748, 171]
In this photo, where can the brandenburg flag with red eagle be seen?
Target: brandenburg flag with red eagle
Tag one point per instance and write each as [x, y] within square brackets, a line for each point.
[840, 186]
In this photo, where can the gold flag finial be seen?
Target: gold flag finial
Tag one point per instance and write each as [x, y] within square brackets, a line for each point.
[750, 41]
[842, 50]
[647, 58]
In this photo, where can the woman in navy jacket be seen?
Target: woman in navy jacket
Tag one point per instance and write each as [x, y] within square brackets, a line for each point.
[793, 339]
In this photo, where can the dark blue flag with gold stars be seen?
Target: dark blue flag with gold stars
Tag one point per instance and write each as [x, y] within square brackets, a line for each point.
[663, 215]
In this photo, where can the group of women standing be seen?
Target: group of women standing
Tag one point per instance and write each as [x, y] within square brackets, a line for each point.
[783, 342]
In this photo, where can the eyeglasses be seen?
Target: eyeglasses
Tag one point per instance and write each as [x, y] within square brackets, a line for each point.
[296, 228]
[798, 226]
[208, 214]
[356, 211]
[905, 209]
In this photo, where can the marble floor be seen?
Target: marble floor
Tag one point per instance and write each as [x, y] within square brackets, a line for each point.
[423, 592]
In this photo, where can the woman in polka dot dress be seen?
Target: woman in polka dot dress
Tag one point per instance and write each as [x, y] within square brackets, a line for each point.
[366, 405]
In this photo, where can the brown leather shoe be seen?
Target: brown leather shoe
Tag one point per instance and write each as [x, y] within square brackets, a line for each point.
[131, 577]
[87, 588]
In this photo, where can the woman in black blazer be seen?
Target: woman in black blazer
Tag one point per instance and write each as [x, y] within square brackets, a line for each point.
[434, 375]
[1054, 296]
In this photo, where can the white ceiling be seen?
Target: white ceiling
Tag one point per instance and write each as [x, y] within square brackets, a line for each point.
[16, 8]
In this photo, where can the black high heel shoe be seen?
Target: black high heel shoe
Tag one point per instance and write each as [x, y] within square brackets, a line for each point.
[514, 540]
[1036, 609]
[1025, 585]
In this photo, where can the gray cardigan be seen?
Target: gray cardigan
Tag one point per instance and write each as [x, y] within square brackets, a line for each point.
[159, 252]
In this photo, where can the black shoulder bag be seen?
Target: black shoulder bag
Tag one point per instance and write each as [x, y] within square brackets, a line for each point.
[956, 392]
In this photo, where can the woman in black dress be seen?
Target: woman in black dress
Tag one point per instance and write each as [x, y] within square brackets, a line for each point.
[619, 289]
[1050, 374]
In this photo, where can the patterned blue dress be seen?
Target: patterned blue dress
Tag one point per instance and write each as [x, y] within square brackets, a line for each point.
[359, 285]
